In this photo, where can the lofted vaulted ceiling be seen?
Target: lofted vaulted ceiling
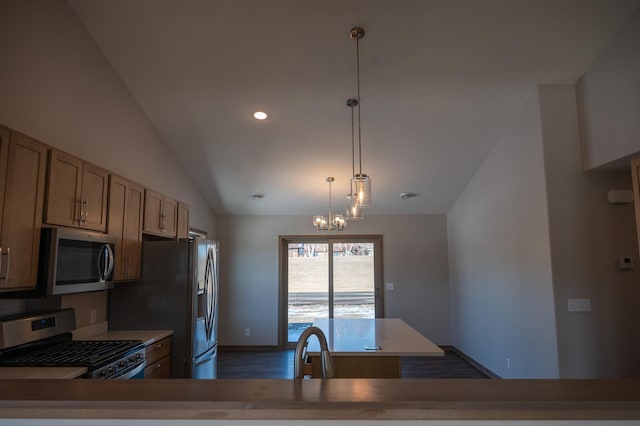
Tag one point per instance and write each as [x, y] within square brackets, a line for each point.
[440, 82]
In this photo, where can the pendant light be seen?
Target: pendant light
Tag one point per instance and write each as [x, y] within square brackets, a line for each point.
[332, 222]
[354, 211]
[360, 182]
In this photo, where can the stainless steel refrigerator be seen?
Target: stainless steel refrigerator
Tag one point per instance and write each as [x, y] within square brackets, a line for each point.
[178, 291]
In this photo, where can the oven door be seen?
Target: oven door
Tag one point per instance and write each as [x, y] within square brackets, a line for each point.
[135, 373]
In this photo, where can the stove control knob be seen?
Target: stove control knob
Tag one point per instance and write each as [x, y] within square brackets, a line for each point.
[102, 373]
[138, 356]
[110, 371]
[122, 364]
[132, 358]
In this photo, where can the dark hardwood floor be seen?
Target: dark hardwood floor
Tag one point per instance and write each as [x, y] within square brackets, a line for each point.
[275, 364]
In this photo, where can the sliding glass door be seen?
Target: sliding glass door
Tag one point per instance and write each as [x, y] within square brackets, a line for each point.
[328, 278]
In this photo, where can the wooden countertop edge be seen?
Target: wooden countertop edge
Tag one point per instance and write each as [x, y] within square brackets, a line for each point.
[337, 399]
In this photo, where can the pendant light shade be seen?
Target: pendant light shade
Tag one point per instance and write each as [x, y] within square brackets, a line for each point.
[354, 212]
[361, 190]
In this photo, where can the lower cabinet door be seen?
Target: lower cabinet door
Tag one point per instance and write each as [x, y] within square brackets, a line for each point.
[159, 369]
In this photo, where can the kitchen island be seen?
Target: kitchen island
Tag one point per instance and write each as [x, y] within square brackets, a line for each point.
[368, 348]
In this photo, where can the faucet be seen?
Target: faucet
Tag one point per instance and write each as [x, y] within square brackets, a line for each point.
[325, 356]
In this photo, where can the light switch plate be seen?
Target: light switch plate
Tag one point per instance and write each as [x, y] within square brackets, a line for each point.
[390, 286]
[579, 305]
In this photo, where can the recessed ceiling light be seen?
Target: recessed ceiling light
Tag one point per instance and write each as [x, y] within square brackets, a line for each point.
[407, 195]
[259, 115]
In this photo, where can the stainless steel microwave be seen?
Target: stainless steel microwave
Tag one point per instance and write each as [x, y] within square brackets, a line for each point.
[74, 261]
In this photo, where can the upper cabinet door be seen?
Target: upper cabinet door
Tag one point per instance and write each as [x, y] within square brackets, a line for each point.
[133, 230]
[77, 194]
[95, 182]
[160, 214]
[183, 220]
[152, 211]
[23, 165]
[170, 216]
[125, 226]
[64, 195]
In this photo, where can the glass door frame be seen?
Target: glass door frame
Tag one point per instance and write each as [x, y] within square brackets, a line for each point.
[283, 274]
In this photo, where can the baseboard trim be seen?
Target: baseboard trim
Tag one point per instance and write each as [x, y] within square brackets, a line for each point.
[471, 361]
[248, 348]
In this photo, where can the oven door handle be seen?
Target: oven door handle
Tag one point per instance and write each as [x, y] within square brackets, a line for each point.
[131, 373]
[105, 267]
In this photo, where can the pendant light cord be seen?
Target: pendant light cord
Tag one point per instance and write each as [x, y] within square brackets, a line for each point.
[358, 84]
[353, 145]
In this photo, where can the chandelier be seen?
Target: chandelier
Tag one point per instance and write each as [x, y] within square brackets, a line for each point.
[360, 191]
[332, 222]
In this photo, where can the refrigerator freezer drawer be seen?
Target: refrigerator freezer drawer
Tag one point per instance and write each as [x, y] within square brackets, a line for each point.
[205, 366]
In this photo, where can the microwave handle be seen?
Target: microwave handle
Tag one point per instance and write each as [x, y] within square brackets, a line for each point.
[108, 263]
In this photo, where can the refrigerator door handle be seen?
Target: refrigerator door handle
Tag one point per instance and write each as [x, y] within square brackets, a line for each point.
[208, 293]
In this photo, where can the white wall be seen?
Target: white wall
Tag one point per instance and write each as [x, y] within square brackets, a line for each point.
[587, 236]
[500, 273]
[415, 259]
[56, 86]
[610, 99]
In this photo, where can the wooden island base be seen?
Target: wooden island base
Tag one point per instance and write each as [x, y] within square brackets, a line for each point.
[381, 367]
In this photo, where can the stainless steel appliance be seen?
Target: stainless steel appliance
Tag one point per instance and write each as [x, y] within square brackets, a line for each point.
[178, 291]
[71, 261]
[75, 260]
[44, 340]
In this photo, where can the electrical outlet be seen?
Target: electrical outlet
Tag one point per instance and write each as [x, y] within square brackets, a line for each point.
[508, 363]
[390, 286]
[247, 332]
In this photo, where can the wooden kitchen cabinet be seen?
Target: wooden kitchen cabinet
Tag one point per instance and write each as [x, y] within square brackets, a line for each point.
[160, 214]
[77, 193]
[23, 166]
[183, 220]
[126, 203]
[158, 359]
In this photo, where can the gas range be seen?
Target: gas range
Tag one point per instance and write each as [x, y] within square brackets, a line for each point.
[45, 340]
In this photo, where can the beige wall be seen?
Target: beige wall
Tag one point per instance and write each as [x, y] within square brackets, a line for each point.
[587, 237]
[56, 86]
[415, 260]
[500, 265]
[609, 95]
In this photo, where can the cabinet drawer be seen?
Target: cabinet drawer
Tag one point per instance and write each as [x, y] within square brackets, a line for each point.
[158, 350]
[160, 369]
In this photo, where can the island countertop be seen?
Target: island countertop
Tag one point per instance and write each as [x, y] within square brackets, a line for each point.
[363, 337]
[334, 399]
